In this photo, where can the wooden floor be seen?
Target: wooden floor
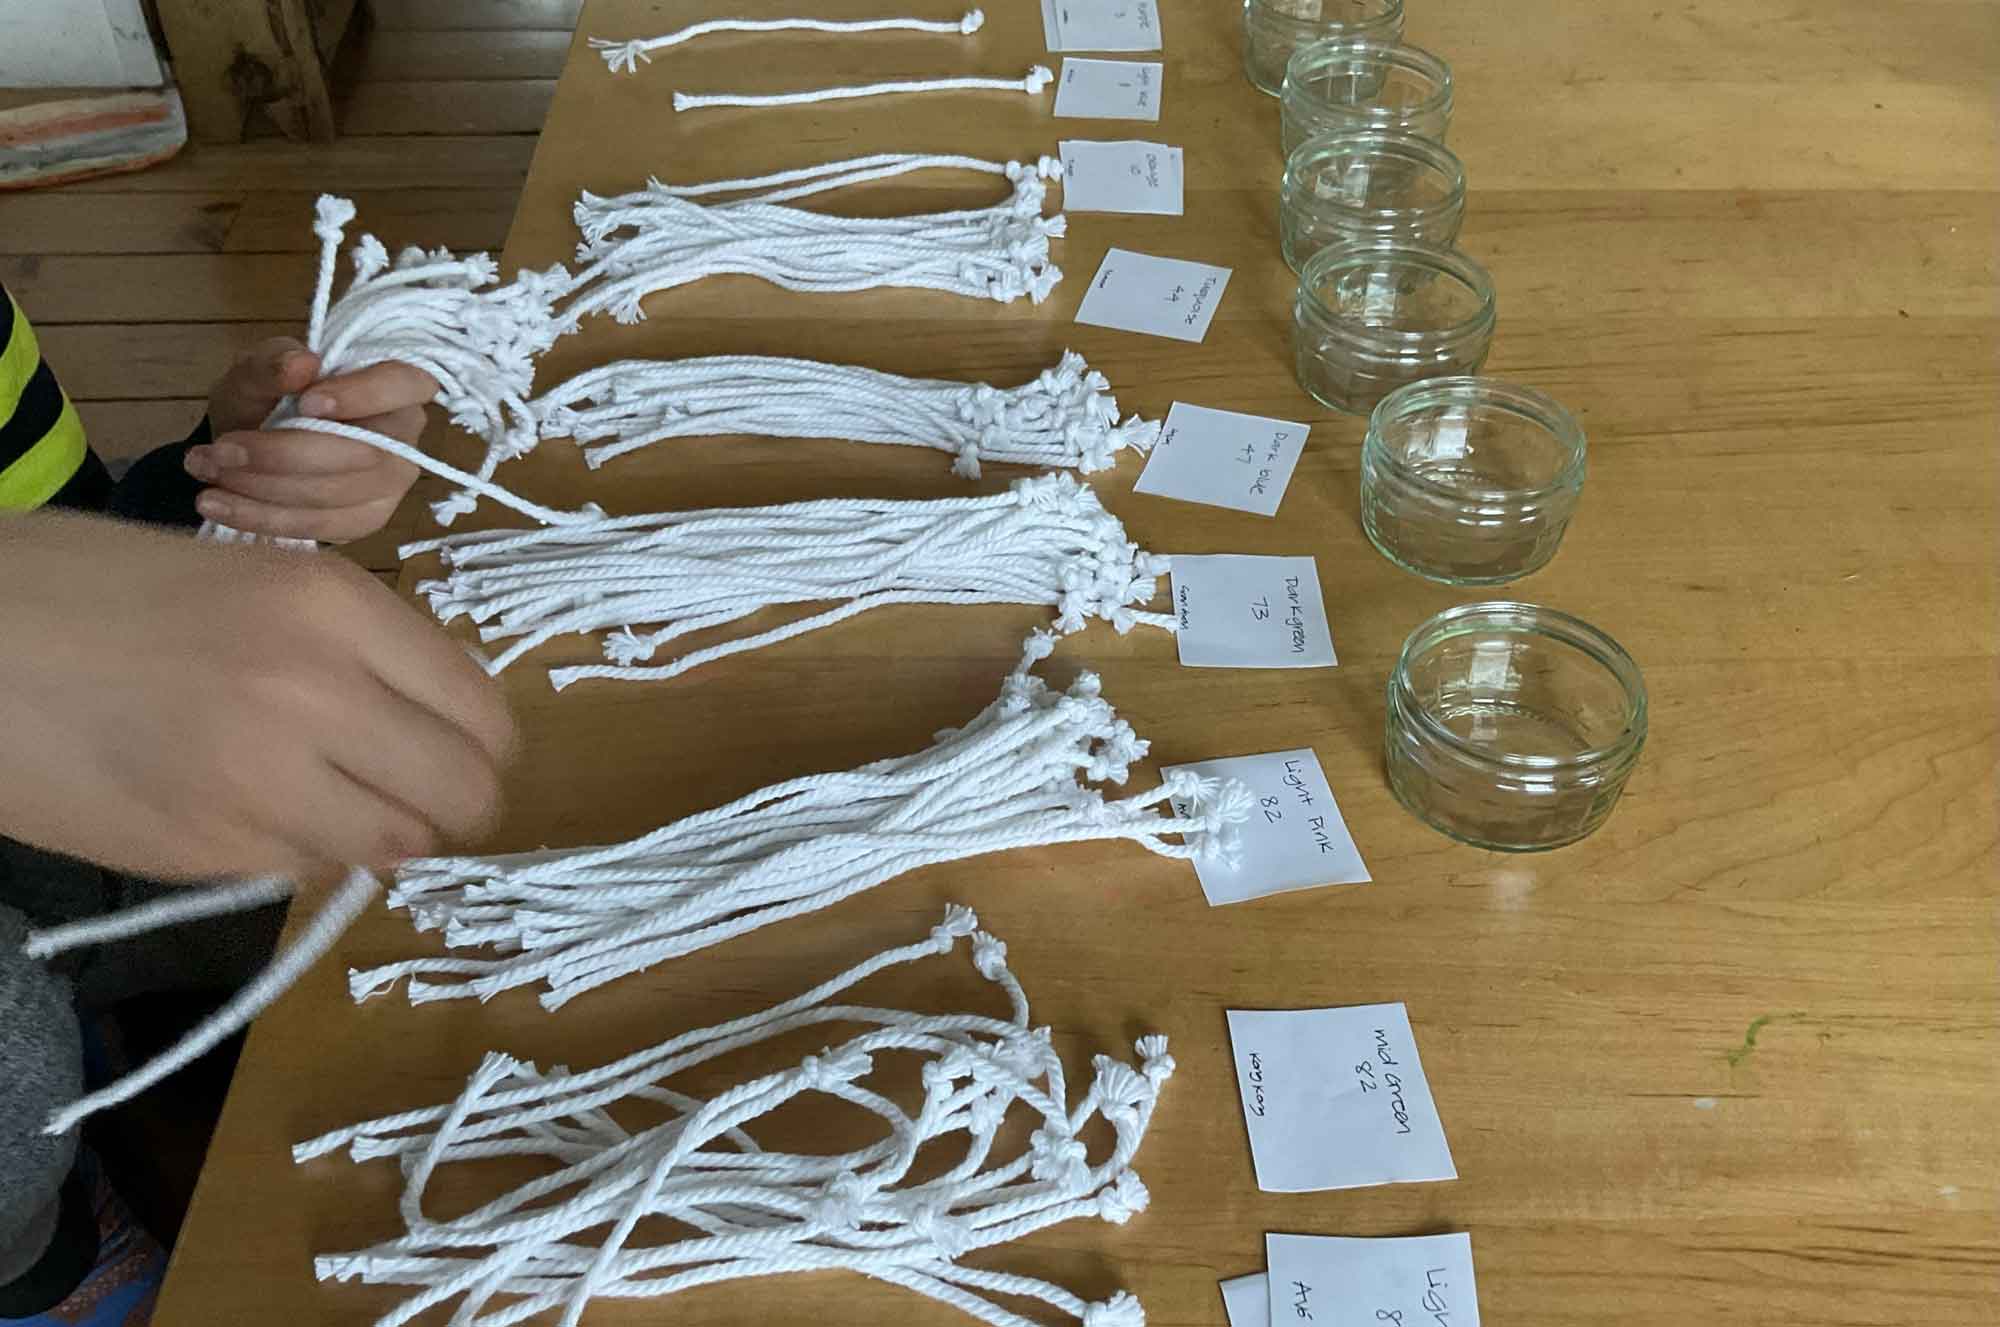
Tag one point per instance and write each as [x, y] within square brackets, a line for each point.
[144, 286]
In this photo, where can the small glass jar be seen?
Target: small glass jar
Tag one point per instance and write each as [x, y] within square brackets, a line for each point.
[1469, 481]
[1348, 188]
[1273, 29]
[1347, 84]
[1369, 318]
[1513, 727]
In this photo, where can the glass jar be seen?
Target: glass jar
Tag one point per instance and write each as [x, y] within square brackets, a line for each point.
[1346, 84]
[1273, 29]
[1345, 188]
[1371, 317]
[1469, 481]
[1511, 726]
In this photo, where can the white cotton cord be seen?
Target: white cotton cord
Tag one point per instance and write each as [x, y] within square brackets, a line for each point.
[1065, 418]
[173, 909]
[1032, 83]
[320, 935]
[1046, 540]
[624, 57]
[579, 1232]
[662, 237]
[1025, 772]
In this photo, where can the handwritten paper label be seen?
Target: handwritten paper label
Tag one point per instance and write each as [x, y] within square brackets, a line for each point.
[1108, 90]
[1223, 459]
[1333, 1281]
[1101, 25]
[1121, 177]
[1295, 839]
[1240, 611]
[1336, 1099]
[1139, 292]
[1247, 1301]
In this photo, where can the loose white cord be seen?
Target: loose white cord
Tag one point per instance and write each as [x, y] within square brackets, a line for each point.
[1036, 79]
[1020, 774]
[173, 909]
[1065, 417]
[320, 935]
[1044, 541]
[735, 1210]
[624, 57]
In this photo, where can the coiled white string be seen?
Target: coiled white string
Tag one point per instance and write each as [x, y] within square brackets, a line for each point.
[1020, 774]
[624, 57]
[1031, 83]
[751, 1211]
[1045, 541]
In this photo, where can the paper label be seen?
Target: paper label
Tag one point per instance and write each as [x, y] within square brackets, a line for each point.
[1296, 839]
[1139, 292]
[1222, 459]
[1121, 177]
[1101, 25]
[1332, 1281]
[1247, 1301]
[1336, 1099]
[1241, 611]
[1108, 90]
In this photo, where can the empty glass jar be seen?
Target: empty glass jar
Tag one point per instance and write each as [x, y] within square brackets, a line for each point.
[1371, 317]
[1511, 726]
[1273, 29]
[1346, 84]
[1469, 481]
[1344, 188]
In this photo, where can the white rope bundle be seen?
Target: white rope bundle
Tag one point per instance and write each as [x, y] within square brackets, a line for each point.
[1032, 84]
[749, 1212]
[1045, 540]
[1064, 418]
[661, 237]
[1018, 775]
[320, 935]
[624, 57]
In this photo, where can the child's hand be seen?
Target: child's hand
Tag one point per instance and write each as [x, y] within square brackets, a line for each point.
[178, 709]
[307, 485]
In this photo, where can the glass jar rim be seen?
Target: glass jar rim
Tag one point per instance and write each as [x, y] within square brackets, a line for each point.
[1414, 253]
[1385, 142]
[1536, 405]
[1387, 10]
[1519, 618]
[1399, 54]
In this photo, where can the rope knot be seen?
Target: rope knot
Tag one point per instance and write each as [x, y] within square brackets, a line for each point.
[1038, 78]
[843, 1202]
[974, 20]
[949, 1237]
[1057, 1156]
[1125, 1198]
[989, 956]
[1121, 1310]
[1154, 1062]
[959, 920]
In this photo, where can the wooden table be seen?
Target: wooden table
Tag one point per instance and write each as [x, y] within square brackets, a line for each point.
[1729, 1061]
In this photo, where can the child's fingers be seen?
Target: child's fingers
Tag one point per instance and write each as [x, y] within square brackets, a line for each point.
[333, 526]
[350, 488]
[376, 390]
[299, 451]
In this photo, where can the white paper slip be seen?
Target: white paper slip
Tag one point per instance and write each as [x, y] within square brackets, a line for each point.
[1241, 611]
[1246, 1301]
[1336, 1099]
[1108, 90]
[1330, 1281]
[1222, 459]
[1139, 292]
[1121, 177]
[1101, 25]
[1295, 839]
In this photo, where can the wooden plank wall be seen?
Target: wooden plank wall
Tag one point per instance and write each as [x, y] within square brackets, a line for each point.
[145, 286]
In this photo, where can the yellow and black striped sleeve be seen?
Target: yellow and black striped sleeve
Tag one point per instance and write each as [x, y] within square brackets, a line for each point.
[44, 459]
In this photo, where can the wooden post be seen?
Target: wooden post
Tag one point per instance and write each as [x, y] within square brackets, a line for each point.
[235, 56]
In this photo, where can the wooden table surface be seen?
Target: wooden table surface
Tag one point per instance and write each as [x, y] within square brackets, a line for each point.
[1732, 1060]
